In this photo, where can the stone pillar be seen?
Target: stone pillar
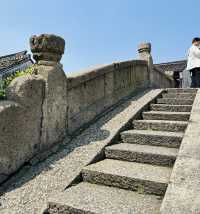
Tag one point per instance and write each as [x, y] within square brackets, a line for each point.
[47, 50]
[144, 50]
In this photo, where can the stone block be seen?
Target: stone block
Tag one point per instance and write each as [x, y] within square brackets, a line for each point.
[128, 175]
[180, 200]
[155, 155]
[154, 138]
[20, 122]
[55, 104]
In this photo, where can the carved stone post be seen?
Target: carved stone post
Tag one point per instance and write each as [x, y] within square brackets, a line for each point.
[144, 50]
[47, 50]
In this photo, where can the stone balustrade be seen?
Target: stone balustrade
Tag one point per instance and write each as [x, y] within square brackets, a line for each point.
[45, 107]
[91, 93]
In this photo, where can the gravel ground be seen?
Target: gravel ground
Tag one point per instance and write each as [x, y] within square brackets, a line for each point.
[30, 189]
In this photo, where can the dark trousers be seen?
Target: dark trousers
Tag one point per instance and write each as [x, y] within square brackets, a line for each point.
[195, 78]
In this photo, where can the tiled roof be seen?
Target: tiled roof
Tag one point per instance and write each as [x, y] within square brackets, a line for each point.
[13, 60]
[172, 66]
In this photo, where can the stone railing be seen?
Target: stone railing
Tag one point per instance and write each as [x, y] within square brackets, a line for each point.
[43, 108]
[90, 93]
[160, 79]
[20, 123]
[157, 78]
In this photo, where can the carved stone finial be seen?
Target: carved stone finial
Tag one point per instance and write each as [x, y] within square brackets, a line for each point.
[47, 47]
[144, 47]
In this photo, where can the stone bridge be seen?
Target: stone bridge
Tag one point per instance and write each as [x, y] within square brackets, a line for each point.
[115, 139]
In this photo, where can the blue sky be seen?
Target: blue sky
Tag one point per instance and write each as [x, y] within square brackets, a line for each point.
[102, 31]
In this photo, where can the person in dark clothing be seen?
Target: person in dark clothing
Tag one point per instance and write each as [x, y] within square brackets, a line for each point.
[193, 63]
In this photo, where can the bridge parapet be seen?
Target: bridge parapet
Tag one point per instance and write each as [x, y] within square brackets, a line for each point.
[45, 107]
[92, 92]
[157, 78]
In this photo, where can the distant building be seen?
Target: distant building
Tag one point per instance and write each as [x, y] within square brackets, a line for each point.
[174, 69]
[9, 64]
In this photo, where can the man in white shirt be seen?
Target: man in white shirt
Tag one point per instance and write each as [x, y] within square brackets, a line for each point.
[193, 63]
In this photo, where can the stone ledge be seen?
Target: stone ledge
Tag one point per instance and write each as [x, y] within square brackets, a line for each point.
[182, 196]
[77, 79]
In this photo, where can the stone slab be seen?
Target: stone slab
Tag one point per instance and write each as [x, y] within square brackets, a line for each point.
[173, 108]
[160, 125]
[179, 95]
[181, 90]
[180, 200]
[156, 138]
[101, 199]
[157, 155]
[175, 101]
[164, 115]
[128, 175]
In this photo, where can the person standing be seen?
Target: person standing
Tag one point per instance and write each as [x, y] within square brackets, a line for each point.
[193, 62]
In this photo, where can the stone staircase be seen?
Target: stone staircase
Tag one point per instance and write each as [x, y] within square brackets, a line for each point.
[133, 177]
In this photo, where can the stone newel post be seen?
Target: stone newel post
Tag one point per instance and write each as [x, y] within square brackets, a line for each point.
[47, 51]
[144, 50]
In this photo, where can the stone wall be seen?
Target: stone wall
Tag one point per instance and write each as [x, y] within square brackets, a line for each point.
[92, 92]
[20, 123]
[43, 108]
[160, 79]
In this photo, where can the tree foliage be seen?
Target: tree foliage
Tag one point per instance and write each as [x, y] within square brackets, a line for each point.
[6, 81]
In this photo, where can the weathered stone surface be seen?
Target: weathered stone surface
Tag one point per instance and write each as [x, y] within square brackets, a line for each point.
[128, 175]
[54, 105]
[156, 155]
[155, 138]
[160, 125]
[173, 101]
[20, 122]
[93, 92]
[53, 175]
[182, 196]
[179, 95]
[102, 199]
[47, 47]
[181, 200]
[174, 108]
[164, 115]
[144, 47]
[181, 90]
[157, 78]
[47, 50]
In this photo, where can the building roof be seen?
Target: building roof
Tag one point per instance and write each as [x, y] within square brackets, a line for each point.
[172, 66]
[11, 61]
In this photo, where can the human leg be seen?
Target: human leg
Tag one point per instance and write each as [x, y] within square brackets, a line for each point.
[197, 77]
[193, 84]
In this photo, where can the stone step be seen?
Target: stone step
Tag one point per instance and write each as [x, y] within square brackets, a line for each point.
[182, 90]
[160, 125]
[154, 138]
[173, 101]
[86, 198]
[165, 115]
[156, 155]
[179, 95]
[173, 108]
[144, 178]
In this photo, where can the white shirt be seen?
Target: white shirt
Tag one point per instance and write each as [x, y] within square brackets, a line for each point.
[193, 57]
